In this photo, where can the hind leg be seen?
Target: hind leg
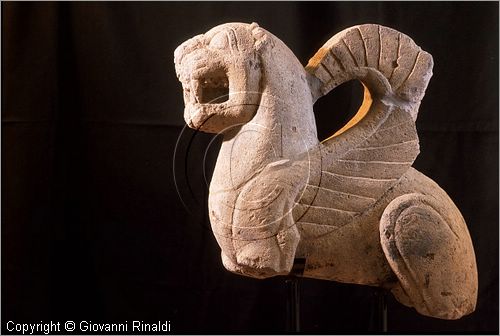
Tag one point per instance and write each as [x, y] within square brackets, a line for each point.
[428, 246]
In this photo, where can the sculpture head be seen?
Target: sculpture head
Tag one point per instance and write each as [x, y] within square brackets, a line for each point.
[220, 72]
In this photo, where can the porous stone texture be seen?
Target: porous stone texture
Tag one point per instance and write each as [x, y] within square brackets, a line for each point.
[351, 206]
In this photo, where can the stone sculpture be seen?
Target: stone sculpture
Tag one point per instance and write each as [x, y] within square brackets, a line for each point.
[351, 206]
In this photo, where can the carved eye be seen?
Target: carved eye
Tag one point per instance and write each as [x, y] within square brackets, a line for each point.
[219, 41]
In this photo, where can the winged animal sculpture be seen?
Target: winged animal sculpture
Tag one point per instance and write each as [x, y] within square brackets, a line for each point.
[351, 206]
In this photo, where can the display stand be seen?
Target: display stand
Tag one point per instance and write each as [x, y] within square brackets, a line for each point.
[293, 295]
[379, 311]
[378, 320]
[292, 304]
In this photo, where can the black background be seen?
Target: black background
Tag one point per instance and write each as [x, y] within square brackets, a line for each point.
[93, 227]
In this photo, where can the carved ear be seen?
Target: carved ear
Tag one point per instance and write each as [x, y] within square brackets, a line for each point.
[262, 38]
[370, 50]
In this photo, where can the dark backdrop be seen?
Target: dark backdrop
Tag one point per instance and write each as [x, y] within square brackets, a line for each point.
[93, 227]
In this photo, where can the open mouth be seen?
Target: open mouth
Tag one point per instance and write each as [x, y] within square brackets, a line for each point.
[213, 88]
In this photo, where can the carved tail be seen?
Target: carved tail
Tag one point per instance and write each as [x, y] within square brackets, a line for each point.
[404, 67]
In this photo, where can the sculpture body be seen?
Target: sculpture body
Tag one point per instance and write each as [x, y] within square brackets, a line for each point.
[351, 206]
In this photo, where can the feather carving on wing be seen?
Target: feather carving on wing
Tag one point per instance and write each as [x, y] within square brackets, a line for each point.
[365, 158]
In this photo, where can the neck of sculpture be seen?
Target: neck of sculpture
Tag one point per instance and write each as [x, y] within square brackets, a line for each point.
[283, 128]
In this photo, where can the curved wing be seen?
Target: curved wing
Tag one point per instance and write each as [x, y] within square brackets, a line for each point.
[365, 158]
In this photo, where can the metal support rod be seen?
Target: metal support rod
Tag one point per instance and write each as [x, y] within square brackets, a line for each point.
[293, 304]
[379, 311]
